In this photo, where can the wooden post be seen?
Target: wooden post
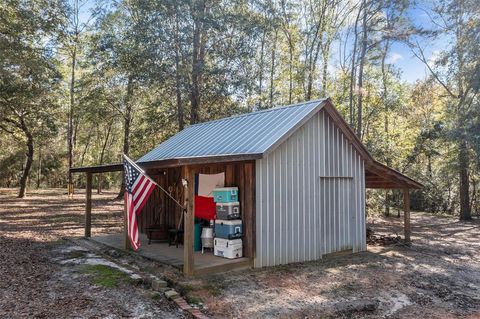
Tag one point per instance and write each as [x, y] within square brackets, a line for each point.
[88, 206]
[188, 236]
[406, 214]
[126, 240]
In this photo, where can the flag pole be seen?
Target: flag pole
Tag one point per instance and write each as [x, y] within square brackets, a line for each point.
[141, 170]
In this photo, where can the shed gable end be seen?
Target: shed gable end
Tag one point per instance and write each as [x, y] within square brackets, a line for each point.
[310, 196]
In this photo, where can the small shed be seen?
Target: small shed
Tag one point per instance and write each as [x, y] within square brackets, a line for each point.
[301, 173]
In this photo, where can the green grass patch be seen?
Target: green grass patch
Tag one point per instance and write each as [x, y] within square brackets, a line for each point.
[155, 296]
[184, 289]
[105, 276]
[194, 300]
[214, 289]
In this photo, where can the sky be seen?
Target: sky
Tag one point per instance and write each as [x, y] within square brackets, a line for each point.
[402, 57]
[411, 68]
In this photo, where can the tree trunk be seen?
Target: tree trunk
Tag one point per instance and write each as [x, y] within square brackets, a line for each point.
[28, 164]
[290, 71]
[102, 155]
[178, 88]
[199, 11]
[326, 57]
[352, 70]
[126, 126]
[260, 76]
[312, 69]
[70, 119]
[360, 72]
[39, 169]
[463, 163]
[272, 67]
[386, 109]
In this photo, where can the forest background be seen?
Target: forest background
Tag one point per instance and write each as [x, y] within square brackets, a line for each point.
[82, 82]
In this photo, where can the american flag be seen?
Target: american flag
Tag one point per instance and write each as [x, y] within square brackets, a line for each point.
[138, 188]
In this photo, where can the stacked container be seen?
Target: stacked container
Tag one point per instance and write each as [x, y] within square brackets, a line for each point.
[228, 225]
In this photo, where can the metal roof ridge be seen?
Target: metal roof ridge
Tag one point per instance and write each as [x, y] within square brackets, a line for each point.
[275, 108]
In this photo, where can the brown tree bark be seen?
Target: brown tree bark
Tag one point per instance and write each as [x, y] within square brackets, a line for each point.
[260, 76]
[352, 71]
[178, 88]
[198, 55]
[360, 71]
[272, 67]
[70, 119]
[386, 124]
[326, 57]
[102, 155]
[29, 160]
[39, 168]
[463, 162]
[127, 116]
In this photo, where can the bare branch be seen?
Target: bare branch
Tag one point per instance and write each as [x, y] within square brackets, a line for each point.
[421, 56]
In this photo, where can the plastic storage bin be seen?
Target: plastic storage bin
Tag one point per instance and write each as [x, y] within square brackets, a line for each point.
[228, 229]
[225, 194]
[228, 248]
[228, 210]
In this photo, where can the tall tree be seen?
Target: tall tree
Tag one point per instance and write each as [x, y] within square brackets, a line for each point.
[72, 37]
[199, 11]
[457, 70]
[28, 73]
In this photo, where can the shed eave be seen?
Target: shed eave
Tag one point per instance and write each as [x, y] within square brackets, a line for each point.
[192, 160]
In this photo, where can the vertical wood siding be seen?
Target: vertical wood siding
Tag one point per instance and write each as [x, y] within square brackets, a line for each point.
[310, 196]
[161, 209]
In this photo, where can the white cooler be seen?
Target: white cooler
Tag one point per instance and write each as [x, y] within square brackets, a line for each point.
[228, 248]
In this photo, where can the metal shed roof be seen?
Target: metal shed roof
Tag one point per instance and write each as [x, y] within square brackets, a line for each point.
[249, 135]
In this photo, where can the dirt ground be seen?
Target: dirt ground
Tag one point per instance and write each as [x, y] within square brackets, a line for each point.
[437, 277]
[44, 276]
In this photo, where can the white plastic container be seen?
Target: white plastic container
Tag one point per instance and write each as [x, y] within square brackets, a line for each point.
[207, 238]
[228, 248]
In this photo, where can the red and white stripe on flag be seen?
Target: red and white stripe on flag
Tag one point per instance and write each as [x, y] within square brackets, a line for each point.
[138, 189]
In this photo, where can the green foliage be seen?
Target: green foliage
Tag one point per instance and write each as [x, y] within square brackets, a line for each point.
[105, 276]
[134, 82]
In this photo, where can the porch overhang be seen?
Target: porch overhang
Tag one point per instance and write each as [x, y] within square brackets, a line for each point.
[378, 175]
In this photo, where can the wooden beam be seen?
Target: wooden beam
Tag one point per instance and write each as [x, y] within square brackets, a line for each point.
[382, 185]
[406, 214]
[98, 169]
[188, 236]
[126, 240]
[248, 210]
[88, 207]
[192, 161]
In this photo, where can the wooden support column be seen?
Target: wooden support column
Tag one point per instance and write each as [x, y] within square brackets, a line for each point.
[406, 214]
[188, 236]
[88, 207]
[126, 240]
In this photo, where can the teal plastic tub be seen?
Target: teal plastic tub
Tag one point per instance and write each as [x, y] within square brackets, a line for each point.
[225, 194]
[197, 242]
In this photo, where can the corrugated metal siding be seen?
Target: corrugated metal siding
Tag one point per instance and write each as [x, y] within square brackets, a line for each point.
[251, 133]
[310, 196]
